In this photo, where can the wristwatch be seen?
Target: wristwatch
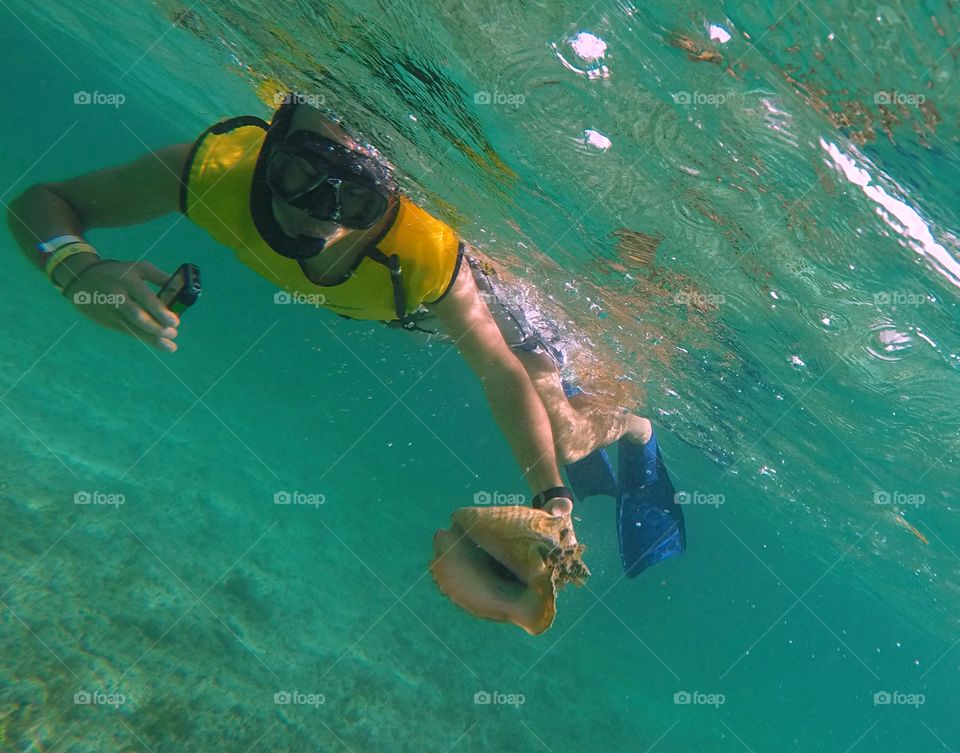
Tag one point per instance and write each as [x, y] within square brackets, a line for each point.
[552, 493]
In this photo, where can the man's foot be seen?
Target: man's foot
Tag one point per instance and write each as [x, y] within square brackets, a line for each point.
[639, 429]
[593, 475]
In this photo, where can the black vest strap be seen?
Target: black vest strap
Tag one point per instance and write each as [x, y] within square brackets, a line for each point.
[392, 263]
[224, 126]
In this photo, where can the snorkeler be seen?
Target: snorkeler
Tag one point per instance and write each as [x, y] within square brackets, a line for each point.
[315, 213]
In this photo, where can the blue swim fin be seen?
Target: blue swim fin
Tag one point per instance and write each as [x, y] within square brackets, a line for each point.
[649, 519]
[593, 474]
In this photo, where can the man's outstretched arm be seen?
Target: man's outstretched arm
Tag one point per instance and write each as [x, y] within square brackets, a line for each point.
[128, 194]
[117, 196]
[517, 408]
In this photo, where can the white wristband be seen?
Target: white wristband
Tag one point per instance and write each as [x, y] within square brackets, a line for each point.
[48, 247]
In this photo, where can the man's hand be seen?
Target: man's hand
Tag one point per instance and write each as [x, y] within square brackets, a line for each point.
[559, 506]
[116, 295]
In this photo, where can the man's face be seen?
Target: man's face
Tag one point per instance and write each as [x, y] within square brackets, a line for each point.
[298, 224]
[295, 222]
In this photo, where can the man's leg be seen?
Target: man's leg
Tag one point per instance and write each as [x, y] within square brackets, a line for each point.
[580, 424]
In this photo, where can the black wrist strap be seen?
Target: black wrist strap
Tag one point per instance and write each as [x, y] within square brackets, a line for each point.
[545, 496]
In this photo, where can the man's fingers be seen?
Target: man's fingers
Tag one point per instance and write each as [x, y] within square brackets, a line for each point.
[143, 322]
[147, 298]
[559, 506]
[160, 343]
[144, 296]
[151, 273]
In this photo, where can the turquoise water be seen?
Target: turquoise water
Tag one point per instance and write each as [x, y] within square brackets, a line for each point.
[797, 345]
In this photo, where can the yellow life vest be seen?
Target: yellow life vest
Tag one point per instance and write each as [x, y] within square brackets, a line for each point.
[224, 191]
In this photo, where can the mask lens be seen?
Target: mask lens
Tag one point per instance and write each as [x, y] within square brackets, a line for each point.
[319, 177]
[360, 206]
[290, 175]
[320, 203]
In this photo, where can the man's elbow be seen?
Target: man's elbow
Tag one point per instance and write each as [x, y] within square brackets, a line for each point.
[28, 212]
[15, 207]
[36, 192]
[20, 208]
[26, 204]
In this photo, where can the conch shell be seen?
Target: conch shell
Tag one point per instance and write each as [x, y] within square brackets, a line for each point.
[507, 563]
